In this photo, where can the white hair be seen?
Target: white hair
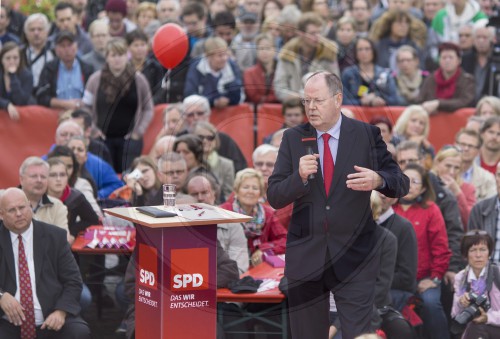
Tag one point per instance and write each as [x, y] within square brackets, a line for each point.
[176, 4]
[35, 17]
[32, 161]
[196, 100]
[262, 150]
[66, 123]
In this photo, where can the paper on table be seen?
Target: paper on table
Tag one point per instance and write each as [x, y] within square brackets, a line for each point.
[201, 214]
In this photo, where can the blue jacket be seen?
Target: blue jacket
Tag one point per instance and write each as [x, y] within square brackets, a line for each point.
[104, 175]
[201, 81]
[382, 84]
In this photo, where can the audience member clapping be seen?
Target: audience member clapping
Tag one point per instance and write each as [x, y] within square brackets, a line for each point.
[448, 167]
[16, 81]
[264, 232]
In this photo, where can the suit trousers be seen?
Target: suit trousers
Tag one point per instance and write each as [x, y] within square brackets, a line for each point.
[309, 301]
[74, 328]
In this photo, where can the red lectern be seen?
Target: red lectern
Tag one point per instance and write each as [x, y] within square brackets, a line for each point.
[176, 275]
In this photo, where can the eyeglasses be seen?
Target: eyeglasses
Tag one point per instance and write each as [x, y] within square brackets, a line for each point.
[262, 163]
[403, 162]
[207, 137]
[464, 145]
[198, 113]
[318, 102]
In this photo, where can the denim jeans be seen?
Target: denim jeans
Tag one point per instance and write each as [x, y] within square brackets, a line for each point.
[435, 323]
[399, 298]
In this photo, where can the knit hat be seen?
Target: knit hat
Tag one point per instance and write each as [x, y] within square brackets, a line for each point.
[119, 6]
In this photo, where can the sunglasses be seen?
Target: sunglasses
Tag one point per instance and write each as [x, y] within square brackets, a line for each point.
[207, 137]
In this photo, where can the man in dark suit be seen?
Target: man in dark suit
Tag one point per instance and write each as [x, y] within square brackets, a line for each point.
[331, 243]
[50, 299]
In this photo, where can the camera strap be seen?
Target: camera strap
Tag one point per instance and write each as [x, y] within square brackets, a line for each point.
[492, 276]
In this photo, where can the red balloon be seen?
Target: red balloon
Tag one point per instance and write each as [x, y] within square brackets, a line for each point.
[170, 45]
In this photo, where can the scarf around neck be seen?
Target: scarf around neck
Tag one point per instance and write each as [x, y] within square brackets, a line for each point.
[445, 89]
[252, 228]
[408, 87]
[115, 87]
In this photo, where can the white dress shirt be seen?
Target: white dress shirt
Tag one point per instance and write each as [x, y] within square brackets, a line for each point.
[28, 249]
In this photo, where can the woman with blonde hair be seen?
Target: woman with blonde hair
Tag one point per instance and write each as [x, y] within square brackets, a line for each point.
[264, 232]
[448, 167]
[121, 105]
[487, 107]
[414, 124]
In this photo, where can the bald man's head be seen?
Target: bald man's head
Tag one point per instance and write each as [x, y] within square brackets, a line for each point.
[201, 189]
[67, 130]
[15, 210]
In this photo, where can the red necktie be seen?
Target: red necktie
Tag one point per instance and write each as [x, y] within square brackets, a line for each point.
[28, 330]
[328, 166]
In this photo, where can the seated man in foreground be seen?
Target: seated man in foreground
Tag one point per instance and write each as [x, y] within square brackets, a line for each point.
[34, 304]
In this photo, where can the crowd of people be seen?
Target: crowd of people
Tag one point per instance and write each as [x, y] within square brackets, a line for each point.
[94, 63]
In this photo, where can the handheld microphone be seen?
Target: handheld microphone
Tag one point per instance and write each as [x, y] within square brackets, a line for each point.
[309, 144]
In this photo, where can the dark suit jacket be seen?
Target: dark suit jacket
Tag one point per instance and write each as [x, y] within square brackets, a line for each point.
[58, 279]
[343, 222]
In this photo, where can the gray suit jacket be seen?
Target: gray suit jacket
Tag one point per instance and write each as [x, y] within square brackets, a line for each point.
[58, 279]
[484, 215]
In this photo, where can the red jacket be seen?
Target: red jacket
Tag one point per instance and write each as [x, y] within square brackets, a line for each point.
[256, 89]
[432, 239]
[273, 235]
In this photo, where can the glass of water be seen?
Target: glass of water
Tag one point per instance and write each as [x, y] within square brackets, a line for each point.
[169, 195]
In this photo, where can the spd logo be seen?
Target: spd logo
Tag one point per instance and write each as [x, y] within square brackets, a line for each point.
[148, 266]
[189, 269]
